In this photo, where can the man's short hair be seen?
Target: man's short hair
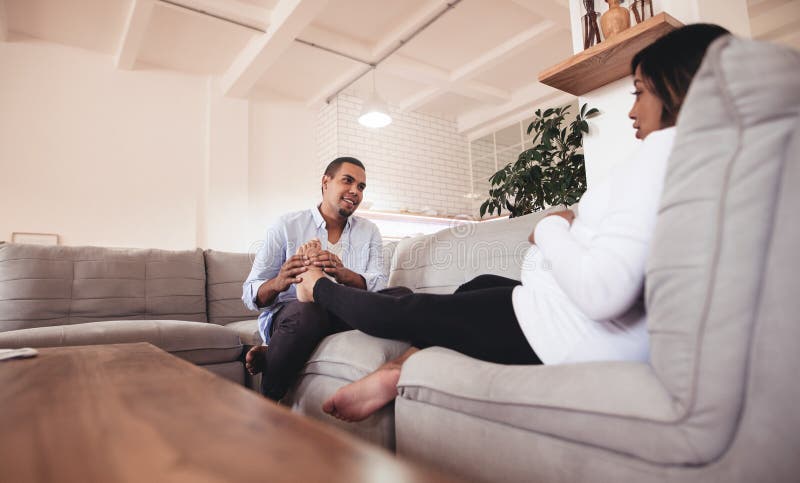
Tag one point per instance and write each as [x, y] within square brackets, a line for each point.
[333, 166]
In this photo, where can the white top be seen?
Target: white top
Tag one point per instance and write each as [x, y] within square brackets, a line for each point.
[581, 294]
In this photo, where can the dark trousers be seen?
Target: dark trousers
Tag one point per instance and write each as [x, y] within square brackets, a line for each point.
[297, 329]
[477, 320]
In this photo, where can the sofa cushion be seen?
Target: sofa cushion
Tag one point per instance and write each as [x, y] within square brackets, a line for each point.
[707, 267]
[196, 342]
[441, 262]
[247, 330]
[46, 285]
[352, 355]
[225, 273]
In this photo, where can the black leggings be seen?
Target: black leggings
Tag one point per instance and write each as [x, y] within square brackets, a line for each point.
[477, 320]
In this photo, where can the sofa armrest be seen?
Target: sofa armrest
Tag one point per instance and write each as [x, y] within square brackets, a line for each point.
[597, 403]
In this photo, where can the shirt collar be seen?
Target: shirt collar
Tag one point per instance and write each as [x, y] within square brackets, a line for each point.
[319, 221]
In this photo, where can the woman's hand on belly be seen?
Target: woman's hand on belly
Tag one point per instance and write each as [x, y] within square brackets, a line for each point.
[568, 215]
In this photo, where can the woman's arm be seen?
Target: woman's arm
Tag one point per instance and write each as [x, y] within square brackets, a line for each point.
[605, 275]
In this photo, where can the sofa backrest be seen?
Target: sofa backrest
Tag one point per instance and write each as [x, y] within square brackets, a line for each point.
[721, 286]
[439, 263]
[225, 273]
[45, 285]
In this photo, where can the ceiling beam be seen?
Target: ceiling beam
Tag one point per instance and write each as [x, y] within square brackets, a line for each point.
[522, 101]
[234, 10]
[133, 36]
[341, 43]
[3, 22]
[347, 76]
[458, 80]
[419, 99]
[481, 92]
[416, 71]
[382, 47]
[287, 20]
[504, 51]
[397, 65]
[407, 27]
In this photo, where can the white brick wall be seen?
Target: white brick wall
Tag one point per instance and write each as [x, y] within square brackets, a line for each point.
[418, 162]
[327, 141]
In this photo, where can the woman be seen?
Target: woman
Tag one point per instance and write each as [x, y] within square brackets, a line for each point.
[580, 295]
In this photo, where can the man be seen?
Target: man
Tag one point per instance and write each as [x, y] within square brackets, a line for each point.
[351, 255]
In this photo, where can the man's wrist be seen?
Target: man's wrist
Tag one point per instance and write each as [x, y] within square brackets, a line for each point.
[356, 280]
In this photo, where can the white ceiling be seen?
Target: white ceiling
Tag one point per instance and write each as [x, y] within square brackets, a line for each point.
[475, 63]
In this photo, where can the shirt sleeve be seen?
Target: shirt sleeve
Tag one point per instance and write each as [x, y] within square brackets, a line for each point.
[269, 258]
[374, 275]
[605, 276]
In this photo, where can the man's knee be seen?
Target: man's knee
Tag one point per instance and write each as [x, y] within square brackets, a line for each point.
[304, 318]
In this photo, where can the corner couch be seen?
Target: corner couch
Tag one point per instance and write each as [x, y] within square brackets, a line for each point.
[184, 302]
[718, 399]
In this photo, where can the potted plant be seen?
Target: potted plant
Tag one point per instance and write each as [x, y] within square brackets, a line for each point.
[550, 173]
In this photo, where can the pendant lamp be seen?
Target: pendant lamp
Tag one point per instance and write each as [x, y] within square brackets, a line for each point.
[375, 112]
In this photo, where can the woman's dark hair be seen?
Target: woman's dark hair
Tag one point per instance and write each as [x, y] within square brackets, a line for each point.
[669, 64]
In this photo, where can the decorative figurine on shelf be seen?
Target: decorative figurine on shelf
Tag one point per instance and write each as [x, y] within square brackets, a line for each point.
[615, 20]
[644, 5]
[591, 31]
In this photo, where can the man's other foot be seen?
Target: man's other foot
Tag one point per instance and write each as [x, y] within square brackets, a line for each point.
[256, 359]
[360, 399]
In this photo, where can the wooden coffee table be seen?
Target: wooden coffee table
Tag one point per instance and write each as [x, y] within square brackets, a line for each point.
[133, 413]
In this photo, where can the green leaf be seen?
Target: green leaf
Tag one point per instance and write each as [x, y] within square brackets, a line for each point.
[550, 172]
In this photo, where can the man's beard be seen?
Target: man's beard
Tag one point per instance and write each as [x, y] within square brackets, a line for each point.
[344, 213]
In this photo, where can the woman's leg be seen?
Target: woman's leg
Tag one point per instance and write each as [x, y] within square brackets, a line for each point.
[479, 323]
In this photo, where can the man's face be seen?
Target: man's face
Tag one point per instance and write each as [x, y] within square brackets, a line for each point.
[343, 192]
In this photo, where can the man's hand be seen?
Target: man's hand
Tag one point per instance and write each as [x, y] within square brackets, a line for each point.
[333, 266]
[287, 275]
[568, 215]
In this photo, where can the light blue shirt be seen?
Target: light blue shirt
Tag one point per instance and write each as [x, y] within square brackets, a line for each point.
[361, 252]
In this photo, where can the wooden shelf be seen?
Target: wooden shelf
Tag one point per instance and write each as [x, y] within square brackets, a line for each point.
[607, 61]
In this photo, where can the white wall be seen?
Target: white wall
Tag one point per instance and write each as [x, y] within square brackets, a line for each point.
[224, 193]
[284, 174]
[143, 158]
[96, 155]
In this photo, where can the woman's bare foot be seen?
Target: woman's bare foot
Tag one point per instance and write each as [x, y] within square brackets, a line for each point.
[256, 359]
[305, 289]
[309, 248]
[360, 399]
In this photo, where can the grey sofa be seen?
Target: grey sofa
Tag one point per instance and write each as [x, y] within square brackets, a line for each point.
[717, 400]
[187, 303]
